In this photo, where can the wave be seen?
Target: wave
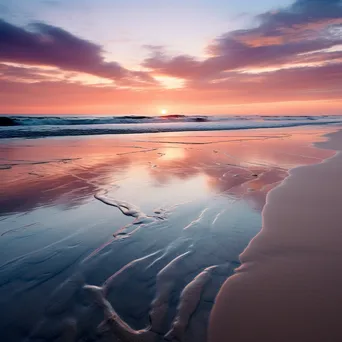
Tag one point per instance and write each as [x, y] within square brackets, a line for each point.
[134, 119]
[178, 124]
[77, 120]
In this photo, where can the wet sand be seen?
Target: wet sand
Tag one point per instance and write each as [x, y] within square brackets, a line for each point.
[289, 287]
[131, 238]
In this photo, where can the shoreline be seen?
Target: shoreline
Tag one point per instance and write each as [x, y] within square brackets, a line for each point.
[277, 294]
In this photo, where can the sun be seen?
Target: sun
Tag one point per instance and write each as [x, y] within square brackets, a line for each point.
[163, 111]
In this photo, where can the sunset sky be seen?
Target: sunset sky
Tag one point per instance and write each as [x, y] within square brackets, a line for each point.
[181, 56]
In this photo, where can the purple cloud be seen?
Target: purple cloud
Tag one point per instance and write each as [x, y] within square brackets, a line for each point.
[49, 45]
[282, 37]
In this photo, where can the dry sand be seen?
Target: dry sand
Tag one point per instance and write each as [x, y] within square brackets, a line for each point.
[289, 287]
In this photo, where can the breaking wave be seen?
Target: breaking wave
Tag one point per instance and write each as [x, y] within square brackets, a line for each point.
[45, 126]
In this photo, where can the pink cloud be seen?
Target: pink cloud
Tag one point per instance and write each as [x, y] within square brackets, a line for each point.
[296, 42]
[281, 37]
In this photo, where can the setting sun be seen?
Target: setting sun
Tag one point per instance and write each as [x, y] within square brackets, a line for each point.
[163, 111]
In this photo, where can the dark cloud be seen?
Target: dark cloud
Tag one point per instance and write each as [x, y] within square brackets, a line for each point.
[44, 44]
[297, 21]
[281, 37]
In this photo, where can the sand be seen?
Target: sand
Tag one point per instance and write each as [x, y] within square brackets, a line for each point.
[289, 285]
[132, 236]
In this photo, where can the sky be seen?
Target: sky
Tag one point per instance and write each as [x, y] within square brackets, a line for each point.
[216, 57]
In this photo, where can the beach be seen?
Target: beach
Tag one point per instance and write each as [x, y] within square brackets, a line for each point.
[288, 287]
[130, 237]
[170, 171]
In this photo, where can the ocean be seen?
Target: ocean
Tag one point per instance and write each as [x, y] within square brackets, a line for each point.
[48, 126]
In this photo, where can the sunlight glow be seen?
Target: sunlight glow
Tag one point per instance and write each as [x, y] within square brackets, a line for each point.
[169, 82]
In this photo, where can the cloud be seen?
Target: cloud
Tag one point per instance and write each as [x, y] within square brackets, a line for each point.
[27, 74]
[280, 38]
[243, 90]
[286, 84]
[44, 44]
[292, 55]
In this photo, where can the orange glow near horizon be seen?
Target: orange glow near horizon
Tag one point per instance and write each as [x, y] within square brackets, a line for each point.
[315, 107]
[245, 70]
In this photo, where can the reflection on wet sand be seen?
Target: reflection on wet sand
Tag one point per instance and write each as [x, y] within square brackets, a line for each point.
[191, 204]
[81, 167]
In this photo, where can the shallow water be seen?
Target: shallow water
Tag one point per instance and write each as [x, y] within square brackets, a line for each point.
[137, 216]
